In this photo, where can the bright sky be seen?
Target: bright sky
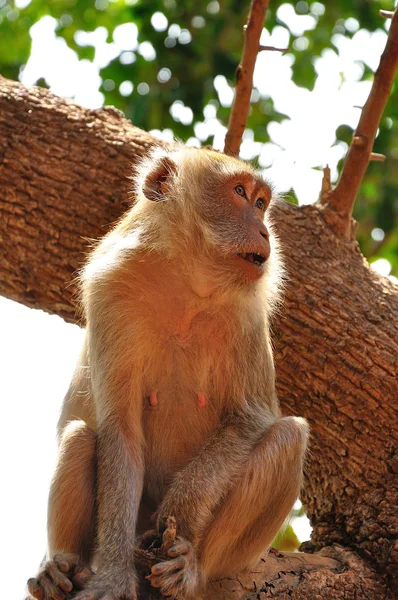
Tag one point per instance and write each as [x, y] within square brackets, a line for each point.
[38, 351]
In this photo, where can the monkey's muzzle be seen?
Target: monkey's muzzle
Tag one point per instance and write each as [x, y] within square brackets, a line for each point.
[254, 258]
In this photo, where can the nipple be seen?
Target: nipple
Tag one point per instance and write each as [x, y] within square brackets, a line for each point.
[202, 400]
[153, 399]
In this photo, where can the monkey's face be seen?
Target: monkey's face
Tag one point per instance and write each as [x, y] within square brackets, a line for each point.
[233, 209]
[212, 213]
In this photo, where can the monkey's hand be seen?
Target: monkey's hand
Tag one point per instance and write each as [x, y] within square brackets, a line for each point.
[58, 577]
[179, 577]
[110, 586]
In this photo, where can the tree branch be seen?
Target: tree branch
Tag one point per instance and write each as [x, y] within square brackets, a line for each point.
[339, 205]
[64, 180]
[331, 574]
[244, 77]
[52, 200]
[272, 49]
[387, 14]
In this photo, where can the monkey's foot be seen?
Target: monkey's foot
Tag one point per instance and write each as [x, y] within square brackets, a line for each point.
[58, 577]
[178, 577]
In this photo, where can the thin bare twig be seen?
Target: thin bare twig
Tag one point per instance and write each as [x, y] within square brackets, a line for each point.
[326, 189]
[388, 14]
[339, 206]
[272, 49]
[376, 157]
[244, 77]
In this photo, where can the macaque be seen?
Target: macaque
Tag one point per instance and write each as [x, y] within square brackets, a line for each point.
[172, 410]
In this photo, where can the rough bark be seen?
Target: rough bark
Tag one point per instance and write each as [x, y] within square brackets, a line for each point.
[64, 179]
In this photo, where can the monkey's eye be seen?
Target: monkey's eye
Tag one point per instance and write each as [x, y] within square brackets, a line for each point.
[240, 190]
[260, 204]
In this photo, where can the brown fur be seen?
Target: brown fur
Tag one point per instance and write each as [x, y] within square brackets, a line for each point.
[172, 309]
[72, 495]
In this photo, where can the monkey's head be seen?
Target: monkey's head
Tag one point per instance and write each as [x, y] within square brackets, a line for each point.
[208, 212]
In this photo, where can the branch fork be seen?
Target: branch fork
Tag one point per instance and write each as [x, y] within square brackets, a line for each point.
[337, 205]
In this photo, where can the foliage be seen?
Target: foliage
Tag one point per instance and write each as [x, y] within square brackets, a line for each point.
[198, 42]
[286, 540]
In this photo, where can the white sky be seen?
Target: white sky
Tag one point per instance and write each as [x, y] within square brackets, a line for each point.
[38, 351]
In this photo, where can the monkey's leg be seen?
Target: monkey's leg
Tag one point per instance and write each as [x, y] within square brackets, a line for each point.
[199, 490]
[254, 511]
[243, 525]
[70, 516]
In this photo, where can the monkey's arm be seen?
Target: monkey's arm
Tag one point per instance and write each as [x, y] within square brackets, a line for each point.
[120, 482]
[120, 468]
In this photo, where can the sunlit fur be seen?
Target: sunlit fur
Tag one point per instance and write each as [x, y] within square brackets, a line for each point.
[175, 232]
[171, 308]
[179, 229]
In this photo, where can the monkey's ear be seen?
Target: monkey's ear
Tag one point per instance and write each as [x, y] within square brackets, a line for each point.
[157, 182]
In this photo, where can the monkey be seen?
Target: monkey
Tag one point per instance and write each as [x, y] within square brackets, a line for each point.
[172, 410]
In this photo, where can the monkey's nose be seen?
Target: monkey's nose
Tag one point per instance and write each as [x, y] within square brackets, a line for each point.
[264, 232]
[265, 245]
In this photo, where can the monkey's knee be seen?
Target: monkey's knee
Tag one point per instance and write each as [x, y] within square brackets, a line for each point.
[77, 436]
[282, 453]
[72, 493]
[255, 510]
[292, 434]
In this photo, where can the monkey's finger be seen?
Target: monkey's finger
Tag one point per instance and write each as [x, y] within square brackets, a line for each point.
[154, 581]
[65, 562]
[50, 589]
[82, 577]
[58, 578]
[180, 547]
[35, 589]
[84, 569]
[168, 565]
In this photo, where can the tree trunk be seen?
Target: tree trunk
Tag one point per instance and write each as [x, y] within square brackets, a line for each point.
[64, 178]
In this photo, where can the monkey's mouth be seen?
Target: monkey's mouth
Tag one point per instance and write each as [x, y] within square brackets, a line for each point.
[253, 257]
